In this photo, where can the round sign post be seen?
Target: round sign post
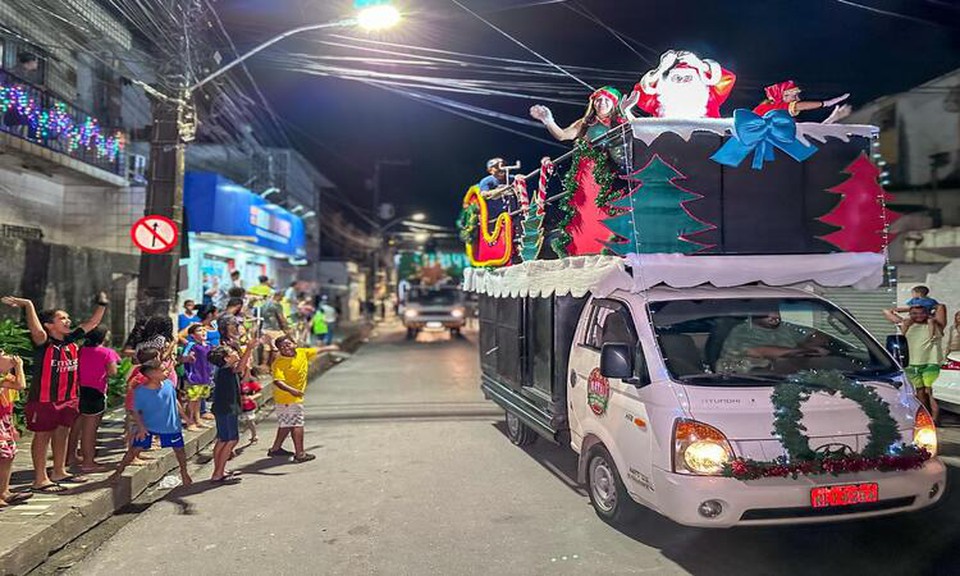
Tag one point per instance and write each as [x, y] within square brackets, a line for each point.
[155, 234]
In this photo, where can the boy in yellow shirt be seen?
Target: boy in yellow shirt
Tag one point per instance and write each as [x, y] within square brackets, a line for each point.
[290, 375]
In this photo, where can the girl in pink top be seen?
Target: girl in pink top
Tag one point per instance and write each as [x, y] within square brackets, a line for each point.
[97, 363]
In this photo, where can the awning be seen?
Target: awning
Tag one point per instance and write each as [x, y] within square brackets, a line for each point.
[603, 275]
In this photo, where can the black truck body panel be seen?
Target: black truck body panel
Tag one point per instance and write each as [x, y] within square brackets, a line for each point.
[524, 352]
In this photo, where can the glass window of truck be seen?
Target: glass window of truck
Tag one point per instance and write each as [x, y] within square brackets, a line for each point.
[705, 341]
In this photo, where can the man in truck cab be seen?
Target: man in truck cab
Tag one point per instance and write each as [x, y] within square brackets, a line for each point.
[764, 337]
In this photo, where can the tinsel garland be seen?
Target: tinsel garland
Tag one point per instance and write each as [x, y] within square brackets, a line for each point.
[902, 458]
[602, 175]
[788, 398]
[467, 222]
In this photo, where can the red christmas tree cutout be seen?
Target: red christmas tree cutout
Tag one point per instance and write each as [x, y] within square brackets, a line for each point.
[588, 235]
[860, 215]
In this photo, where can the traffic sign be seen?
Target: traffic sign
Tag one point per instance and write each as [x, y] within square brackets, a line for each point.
[155, 234]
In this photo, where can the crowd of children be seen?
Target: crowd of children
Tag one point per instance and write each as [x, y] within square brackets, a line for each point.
[195, 377]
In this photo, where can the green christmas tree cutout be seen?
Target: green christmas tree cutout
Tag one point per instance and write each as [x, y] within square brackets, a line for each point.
[653, 217]
[532, 238]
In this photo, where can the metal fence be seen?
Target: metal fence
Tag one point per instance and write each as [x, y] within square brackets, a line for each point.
[34, 114]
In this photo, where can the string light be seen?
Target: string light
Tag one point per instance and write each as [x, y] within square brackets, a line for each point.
[57, 123]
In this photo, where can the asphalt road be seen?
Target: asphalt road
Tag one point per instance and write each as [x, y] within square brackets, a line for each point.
[415, 476]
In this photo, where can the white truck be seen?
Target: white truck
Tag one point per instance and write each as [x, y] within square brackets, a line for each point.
[662, 382]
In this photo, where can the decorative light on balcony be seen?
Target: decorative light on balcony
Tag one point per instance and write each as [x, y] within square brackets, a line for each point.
[56, 123]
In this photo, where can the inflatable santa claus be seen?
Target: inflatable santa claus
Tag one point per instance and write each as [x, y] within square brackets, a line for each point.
[682, 86]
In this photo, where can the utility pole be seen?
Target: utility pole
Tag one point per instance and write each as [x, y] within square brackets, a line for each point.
[159, 273]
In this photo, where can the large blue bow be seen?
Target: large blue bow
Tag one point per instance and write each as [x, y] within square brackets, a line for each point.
[776, 129]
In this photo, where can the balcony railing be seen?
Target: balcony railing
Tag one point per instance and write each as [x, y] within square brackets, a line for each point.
[33, 114]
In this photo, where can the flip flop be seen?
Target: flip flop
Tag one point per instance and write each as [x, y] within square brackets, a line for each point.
[75, 479]
[18, 498]
[227, 480]
[52, 488]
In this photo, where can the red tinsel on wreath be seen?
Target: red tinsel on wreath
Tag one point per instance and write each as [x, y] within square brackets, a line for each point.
[910, 458]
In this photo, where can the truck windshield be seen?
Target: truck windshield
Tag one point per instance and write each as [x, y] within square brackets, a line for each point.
[717, 341]
[443, 297]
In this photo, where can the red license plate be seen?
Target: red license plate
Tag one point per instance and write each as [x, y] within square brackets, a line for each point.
[844, 495]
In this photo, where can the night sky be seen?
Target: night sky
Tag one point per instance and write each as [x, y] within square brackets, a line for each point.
[827, 46]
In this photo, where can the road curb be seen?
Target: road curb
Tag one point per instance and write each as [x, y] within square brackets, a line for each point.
[33, 543]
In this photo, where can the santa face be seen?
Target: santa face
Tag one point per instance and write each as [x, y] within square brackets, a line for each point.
[683, 94]
[603, 105]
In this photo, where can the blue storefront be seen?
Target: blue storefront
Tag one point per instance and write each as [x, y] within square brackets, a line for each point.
[231, 228]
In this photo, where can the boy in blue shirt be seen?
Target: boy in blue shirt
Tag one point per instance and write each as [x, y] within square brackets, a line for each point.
[156, 413]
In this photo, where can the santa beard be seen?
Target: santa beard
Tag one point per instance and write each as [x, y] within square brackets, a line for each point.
[682, 100]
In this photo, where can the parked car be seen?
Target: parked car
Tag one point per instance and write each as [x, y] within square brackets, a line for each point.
[947, 387]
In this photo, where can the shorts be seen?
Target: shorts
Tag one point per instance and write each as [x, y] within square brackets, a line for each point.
[92, 401]
[172, 440]
[48, 416]
[923, 375]
[8, 438]
[250, 416]
[228, 427]
[198, 392]
[290, 415]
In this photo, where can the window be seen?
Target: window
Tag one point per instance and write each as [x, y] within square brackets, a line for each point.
[767, 339]
[610, 321]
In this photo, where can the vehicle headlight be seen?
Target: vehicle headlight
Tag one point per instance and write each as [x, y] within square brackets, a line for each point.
[924, 431]
[457, 313]
[410, 313]
[699, 449]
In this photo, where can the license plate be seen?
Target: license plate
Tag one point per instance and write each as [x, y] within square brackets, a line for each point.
[844, 495]
[434, 324]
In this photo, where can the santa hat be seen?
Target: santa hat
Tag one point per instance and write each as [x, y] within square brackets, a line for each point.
[775, 92]
[607, 92]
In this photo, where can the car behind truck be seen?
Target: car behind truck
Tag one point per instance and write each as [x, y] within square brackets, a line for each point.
[667, 394]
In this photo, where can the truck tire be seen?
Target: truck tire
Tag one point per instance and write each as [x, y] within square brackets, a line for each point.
[454, 333]
[518, 432]
[411, 333]
[608, 495]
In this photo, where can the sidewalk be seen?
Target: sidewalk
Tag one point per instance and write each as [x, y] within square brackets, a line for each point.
[30, 532]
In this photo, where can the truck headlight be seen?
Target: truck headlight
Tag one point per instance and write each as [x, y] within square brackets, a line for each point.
[924, 431]
[410, 313]
[699, 449]
[457, 312]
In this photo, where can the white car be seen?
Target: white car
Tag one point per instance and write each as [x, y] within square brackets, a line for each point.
[947, 387]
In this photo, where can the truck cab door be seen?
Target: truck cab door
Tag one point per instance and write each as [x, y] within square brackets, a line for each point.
[612, 409]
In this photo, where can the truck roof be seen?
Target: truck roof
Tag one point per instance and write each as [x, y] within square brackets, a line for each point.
[666, 293]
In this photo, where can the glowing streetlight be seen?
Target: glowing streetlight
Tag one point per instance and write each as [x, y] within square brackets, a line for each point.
[418, 217]
[374, 15]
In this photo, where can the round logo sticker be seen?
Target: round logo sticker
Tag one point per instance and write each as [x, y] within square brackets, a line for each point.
[598, 392]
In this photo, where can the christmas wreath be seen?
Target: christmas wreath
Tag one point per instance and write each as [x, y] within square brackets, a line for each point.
[467, 222]
[883, 451]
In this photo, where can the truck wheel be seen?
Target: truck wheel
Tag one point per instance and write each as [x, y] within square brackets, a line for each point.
[411, 333]
[608, 495]
[454, 333]
[519, 433]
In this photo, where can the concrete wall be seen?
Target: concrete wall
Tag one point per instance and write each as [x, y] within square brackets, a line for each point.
[68, 277]
[97, 217]
[925, 121]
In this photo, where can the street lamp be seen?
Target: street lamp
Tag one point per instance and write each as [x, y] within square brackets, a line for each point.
[376, 15]
[418, 217]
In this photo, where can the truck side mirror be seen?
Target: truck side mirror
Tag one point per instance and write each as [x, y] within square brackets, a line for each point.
[897, 347]
[616, 361]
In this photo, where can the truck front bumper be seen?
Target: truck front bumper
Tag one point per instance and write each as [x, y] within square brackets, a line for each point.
[421, 322]
[787, 501]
